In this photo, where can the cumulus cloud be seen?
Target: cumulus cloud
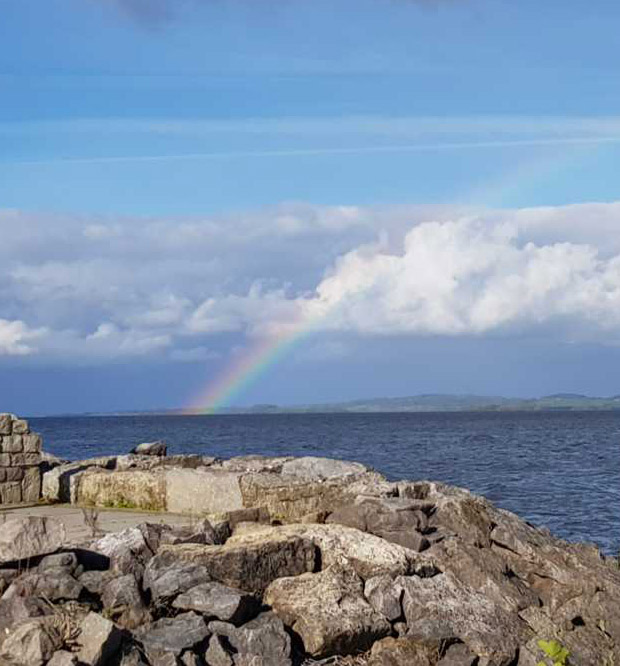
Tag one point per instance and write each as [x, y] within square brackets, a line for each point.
[76, 289]
[471, 276]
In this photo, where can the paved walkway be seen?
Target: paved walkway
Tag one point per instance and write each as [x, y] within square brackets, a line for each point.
[110, 520]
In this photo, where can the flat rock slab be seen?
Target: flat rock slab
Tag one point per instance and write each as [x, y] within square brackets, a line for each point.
[25, 537]
[251, 564]
[368, 555]
[110, 520]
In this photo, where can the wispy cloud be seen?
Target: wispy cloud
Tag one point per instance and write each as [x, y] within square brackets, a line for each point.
[301, 152]
[286, 137]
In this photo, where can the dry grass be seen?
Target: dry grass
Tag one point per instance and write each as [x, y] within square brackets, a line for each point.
[352, 660]
[90, 516]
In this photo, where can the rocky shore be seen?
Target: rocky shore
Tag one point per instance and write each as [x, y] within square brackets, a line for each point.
[283, 561]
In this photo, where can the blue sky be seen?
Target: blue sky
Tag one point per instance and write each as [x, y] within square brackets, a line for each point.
[431, 184]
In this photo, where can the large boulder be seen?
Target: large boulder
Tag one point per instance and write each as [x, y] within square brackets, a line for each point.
[395, 519]
[249, 564]
[366, 554]
[57, 483]
[202, 491]
[291, 497]
[441, 608]
[25, 538]
[145, 490]
[328, 611]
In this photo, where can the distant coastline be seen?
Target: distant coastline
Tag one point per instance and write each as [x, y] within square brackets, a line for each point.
[424, 403]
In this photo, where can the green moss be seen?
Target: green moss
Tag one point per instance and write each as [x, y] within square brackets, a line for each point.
[120, 503]
[555, 652]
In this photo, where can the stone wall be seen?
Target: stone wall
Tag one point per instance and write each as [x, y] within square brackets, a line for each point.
[20, 460]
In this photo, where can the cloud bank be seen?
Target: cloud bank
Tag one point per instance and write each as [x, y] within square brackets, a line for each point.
[80, 289]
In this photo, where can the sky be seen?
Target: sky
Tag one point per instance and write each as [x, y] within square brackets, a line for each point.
[207, 203]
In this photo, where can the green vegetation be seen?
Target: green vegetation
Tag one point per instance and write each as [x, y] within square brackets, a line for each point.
[120, 503]
[555, 651]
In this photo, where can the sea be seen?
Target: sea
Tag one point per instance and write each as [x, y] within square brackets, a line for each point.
[559, 470]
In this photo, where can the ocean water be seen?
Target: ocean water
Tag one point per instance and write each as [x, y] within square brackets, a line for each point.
[560, 470]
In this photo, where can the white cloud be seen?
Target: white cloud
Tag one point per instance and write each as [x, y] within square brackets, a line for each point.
[15, 338]
[470, 276]
[91, 289]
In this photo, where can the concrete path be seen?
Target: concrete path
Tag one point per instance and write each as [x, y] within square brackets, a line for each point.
[110, 520]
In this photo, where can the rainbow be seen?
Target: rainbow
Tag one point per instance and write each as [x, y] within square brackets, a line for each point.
[248, 366]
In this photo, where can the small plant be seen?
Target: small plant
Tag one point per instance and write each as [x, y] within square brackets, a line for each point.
[554, 651]
[90, 515]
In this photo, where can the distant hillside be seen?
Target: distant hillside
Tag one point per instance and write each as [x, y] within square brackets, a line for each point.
[445, 403]
[431, 402]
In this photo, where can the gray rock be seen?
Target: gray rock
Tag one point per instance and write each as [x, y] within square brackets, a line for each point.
[384, 594]
[99, 640]
[49, 461]
[57, 481]
[248, 564]
[19, 609]
[63, 658]
[132, 657]
[165, 578]
[366, 554]
[396, 520]
[328, 611]
[322, 468]
[263, 640]
[458, 655]
[214, 600]
[32, 642]
[442, 607]
[25, 538]
[173, 635]
[217, 654]
[66, 561]
[123, 602]
[254, 463]
[202, 491]
[121, 592]
[55, 584]
[403, 651]
[202, 532]
[128, 550]
[95, 581]
[190, 659]
[158, 448]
